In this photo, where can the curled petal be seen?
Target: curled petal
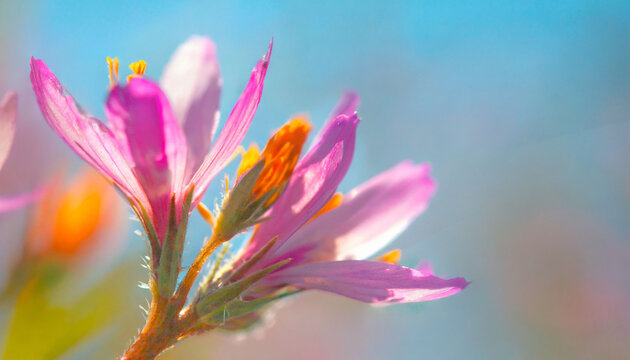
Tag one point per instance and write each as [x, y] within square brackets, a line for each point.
[192, 82]
[368, 281]
[8, 115]
[144, 125]
[368, 219]
[85, 135]
[347, 105]
[313, 183]
[234, 130]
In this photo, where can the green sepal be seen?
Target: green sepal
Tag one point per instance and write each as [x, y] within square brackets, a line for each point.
[257, 207]
[154, 243]
[238, 308]
[209, 303]
[241, 323]
[173, 247]
[230, 219]
[242, 270]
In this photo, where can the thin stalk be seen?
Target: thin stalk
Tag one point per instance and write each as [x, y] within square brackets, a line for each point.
[217, 265]
[193, 271]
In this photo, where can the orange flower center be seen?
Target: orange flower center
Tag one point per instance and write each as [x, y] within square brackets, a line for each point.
[280, 154]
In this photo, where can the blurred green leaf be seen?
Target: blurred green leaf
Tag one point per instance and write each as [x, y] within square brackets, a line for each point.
[238, 308]
[46, 325]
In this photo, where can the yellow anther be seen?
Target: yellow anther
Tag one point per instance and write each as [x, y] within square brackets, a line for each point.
[112, 65]
[334, 202]
[392, 257]
[250, 158]
[138, 69]
[281, 155]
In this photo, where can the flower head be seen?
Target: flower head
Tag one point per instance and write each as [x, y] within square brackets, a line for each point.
[280, 157]
[70, 219]
[317, 238]
[261, 178]
[157, 143]
[157, 150]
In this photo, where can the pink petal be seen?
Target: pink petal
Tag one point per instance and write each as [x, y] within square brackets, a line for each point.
[367, 281]
[369, 218]
[86, 135]
[10, 203]
[8, 116]
[347, 105]
[314, 181]
[234, 130]
[192, 82]
[144, 124]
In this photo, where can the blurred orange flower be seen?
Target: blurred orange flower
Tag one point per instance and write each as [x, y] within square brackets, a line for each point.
[70, 218]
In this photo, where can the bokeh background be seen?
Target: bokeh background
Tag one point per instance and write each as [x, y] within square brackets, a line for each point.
[521, 107]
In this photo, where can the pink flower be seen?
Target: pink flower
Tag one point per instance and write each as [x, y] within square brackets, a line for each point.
[157, 144]
[156, 149]
[328, 237]
[8, 117]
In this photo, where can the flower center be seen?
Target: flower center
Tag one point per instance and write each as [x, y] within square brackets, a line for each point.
[280, 154]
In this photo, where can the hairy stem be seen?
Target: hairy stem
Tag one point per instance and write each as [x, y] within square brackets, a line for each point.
[166, 322]
[151, 340]
[194, 270]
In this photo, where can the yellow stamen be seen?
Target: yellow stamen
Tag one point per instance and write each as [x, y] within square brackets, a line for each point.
[334, 202]
[138, 69]
[112, 65]
[250, 158]
[206, 214]
[392, 257]
[281, 155]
